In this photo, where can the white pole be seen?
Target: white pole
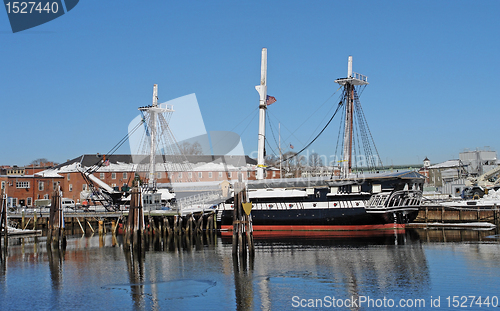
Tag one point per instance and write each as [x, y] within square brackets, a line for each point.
[279, 143]
[152, 128]
[349, 68]
[262, 89]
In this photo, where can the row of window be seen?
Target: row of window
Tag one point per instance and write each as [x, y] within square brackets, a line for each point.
[179, 175]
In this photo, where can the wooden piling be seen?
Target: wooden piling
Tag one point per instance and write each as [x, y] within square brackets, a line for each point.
[3, 221]
[23, 216]
[242, 227]
[135, 223]
[101, 227]
[56, 232]
[81, 227]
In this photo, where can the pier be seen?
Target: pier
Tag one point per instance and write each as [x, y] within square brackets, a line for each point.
[80, 222]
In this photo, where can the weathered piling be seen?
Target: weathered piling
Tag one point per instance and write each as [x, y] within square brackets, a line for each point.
[242, 222]
[134, 231]
[56, 234]
[3, 221]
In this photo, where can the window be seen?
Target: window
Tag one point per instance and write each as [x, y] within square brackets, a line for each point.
[41, 185]
[209, 174]
[113, 175]
[101, 175]
[158, 175]
[84, 187]
[180, 175]
[14, 202]
[190, 175]
[3, 184]
[228, 174]
[46, 196]
[22, 184]
[248, 174]
[200, 174]
[68, 176]
[70, 187]
[125, 175]
[29, 201]
[54, 185]
[220, 174]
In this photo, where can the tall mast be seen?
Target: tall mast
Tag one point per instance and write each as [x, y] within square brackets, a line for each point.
[153, 112]
[353, 79]
[152, 149]
[262, 89]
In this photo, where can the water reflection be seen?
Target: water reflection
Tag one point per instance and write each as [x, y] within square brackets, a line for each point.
[199, 271]
[135, 266]
[333, 266]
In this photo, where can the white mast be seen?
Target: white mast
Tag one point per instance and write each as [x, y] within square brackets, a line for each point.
[153, 111]
[152, 149]
[262, 89]
[279, 138]
[349, 83]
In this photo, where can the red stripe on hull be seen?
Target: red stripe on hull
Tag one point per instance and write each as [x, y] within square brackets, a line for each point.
[320, 231]
[321, 228]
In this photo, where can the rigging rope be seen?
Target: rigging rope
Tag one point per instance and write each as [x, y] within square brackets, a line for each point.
[309, 144]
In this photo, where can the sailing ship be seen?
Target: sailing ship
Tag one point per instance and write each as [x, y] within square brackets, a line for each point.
[350, 200]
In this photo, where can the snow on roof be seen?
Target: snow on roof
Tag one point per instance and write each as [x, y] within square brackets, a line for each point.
[51, 173]
[446, 164]
[197, 163]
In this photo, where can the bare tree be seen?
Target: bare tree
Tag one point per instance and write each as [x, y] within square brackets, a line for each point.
[272, 160]
[39, 161]
[315, 160]
[293, 164]
[191, 149]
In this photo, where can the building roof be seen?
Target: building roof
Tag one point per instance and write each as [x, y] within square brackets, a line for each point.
[129, 163]
[446, 164]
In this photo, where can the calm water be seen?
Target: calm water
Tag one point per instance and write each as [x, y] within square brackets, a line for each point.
[417, 268]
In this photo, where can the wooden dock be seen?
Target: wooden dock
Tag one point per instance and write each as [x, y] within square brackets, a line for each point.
[80, 222]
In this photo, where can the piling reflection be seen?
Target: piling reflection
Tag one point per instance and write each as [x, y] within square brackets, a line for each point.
[55, 258]
[135, 267]
[243, 279]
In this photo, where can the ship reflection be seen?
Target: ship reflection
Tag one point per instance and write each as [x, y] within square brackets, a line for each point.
[331, 266]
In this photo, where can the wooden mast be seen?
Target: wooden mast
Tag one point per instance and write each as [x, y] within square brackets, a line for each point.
[349, 83]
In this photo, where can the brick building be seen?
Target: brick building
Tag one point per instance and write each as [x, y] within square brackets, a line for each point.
[120, 170]
[23, 186]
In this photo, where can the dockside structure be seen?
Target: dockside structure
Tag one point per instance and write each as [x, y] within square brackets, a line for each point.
[119, 171]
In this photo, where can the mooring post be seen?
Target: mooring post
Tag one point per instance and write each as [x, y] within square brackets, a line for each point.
[495, 216]
[101, 227]
[34, 221]
[3, 221]
[235, 222]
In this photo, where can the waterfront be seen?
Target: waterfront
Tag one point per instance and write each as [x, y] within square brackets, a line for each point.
[97, 273]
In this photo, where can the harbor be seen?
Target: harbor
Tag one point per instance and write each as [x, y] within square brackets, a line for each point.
[263, 155]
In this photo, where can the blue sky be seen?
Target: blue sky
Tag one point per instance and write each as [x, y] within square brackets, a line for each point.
[71, 86]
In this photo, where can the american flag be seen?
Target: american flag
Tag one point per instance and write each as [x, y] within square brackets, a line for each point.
[106, 163]
[270, 100]
[291, 146]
